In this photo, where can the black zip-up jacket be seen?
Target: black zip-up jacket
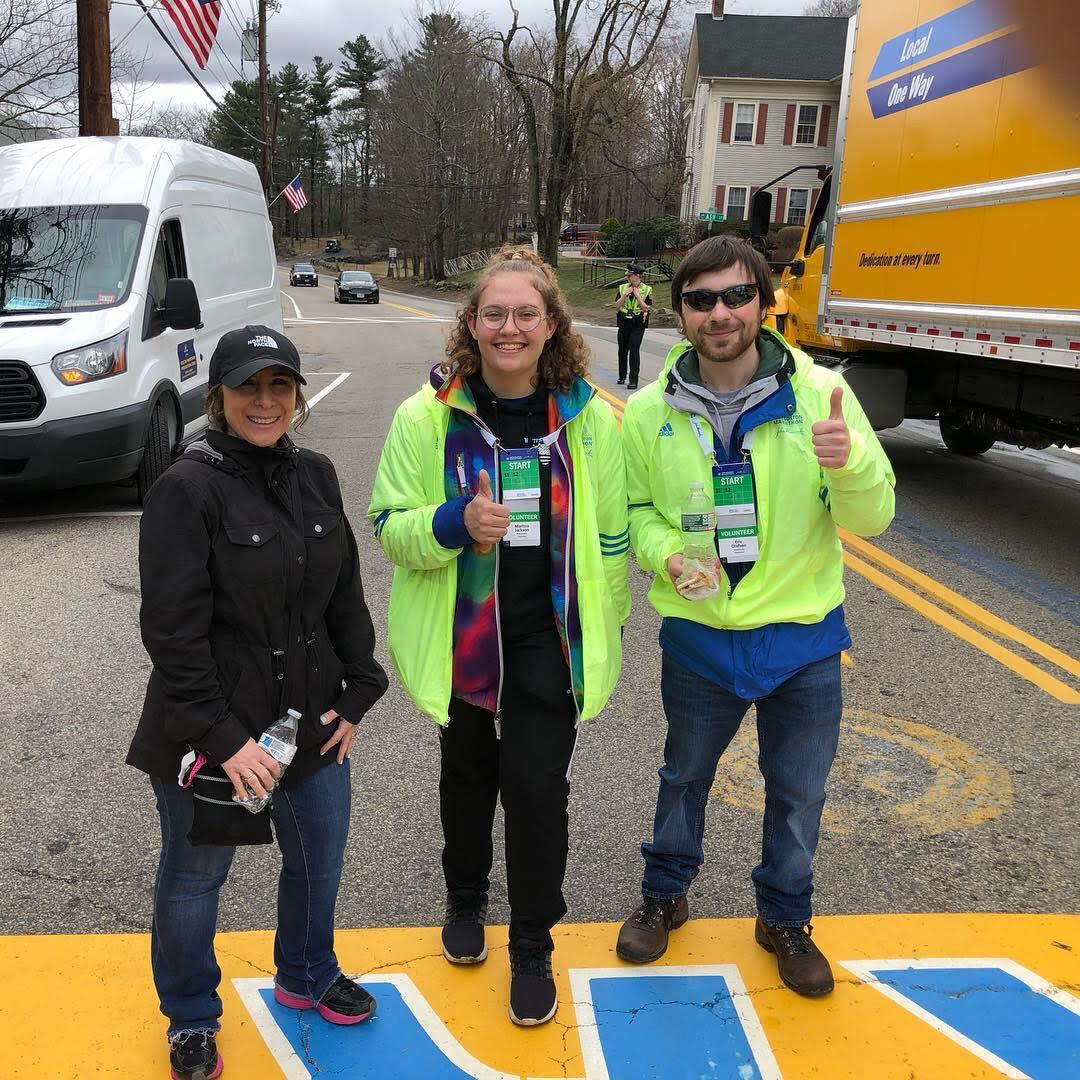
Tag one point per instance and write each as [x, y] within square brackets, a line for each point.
[251, 604]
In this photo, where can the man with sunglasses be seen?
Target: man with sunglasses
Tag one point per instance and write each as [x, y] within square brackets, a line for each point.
[790, 457]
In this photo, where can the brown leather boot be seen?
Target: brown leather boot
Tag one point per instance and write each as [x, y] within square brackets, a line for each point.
[802, 964]
[644, 936]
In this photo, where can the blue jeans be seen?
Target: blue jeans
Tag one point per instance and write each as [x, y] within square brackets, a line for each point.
[311, 821]
[798, 730]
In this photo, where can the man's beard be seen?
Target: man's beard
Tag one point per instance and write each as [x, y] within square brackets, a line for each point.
[731, 348]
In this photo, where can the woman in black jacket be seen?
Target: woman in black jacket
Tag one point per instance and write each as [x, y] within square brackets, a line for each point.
[251, 604]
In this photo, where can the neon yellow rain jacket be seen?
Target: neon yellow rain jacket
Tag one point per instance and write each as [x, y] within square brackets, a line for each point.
[799, 575]
[409, 488]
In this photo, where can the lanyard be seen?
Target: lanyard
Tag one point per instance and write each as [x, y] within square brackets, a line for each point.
[708, 446]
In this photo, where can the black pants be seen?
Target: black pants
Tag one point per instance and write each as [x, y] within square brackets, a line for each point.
[631, 331]
[528, 768]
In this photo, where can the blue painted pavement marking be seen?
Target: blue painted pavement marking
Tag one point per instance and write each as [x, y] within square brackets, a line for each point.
[997, 1011]
[671, 1028]
[392, 1045]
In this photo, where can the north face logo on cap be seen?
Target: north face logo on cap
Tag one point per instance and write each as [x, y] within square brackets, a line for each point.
[262, 341]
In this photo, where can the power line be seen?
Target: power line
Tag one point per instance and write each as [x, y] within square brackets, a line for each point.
[176, 52]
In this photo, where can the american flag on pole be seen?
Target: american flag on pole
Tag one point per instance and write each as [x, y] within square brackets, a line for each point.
[294, 192]
[197, 21]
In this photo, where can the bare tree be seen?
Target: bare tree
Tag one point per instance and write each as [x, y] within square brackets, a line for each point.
[561, 75]
[175, 122]
[838, 8]
[38, 59]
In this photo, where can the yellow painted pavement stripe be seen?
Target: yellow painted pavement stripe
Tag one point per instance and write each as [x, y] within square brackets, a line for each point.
[617, 402]
[960, 604]
[853, 1033]
[1024, 668]
[410, 310]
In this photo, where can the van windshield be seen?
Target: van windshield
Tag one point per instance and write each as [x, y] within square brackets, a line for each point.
[67, 258]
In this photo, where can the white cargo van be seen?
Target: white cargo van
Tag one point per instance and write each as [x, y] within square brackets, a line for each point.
[122, 261]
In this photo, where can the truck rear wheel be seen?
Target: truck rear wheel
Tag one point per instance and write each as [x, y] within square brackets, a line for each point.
[157, 450]
[961, 438]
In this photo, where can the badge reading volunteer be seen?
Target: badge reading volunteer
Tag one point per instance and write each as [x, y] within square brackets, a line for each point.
[519, 473]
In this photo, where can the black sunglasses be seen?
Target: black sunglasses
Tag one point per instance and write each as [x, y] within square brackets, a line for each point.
[734, 296]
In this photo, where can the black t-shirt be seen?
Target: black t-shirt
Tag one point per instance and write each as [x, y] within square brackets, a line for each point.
[524, 572]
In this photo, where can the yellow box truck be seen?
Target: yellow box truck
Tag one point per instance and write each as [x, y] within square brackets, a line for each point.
[936, 269]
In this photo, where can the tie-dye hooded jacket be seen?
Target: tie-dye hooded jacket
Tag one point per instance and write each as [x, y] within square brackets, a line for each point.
[442, 595]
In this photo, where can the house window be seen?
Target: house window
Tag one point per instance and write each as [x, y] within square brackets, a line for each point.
[798, 200]
[736, 204]
[744, 123]
[806, 129]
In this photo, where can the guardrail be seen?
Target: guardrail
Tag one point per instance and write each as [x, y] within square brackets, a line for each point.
[475, 260]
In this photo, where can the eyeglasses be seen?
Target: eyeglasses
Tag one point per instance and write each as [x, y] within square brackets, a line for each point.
[734, 296]
[525, 318]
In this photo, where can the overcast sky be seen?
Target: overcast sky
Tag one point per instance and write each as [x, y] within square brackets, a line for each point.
[305, 28]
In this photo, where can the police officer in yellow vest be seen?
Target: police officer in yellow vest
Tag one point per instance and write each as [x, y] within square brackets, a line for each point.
[633, 303]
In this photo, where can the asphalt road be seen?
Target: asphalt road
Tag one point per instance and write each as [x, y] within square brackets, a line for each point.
[954, 790]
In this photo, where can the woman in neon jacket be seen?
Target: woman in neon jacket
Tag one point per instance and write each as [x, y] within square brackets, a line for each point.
[501, 500]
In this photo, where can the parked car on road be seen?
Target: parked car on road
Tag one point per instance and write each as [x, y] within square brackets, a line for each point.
[356, 285]
[303, 274]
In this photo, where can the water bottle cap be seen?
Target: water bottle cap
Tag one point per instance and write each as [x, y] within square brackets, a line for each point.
[294, 714]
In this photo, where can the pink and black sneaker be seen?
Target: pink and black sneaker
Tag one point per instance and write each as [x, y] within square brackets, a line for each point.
[346, 1002]
[193, 1056]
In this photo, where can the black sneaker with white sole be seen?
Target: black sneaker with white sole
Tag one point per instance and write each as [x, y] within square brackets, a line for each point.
[532, 988]
[193, 1055]
[463, 931]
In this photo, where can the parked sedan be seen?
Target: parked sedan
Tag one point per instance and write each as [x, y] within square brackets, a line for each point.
[356, 285]
[303, 274]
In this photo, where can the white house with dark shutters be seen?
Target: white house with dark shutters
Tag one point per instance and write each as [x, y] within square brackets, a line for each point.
[761, 94]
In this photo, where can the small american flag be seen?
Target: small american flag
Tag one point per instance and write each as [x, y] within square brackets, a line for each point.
[197, 21]
[295, 194]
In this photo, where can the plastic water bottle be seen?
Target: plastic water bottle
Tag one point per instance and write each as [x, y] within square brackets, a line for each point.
[279, 741]
[699, 578]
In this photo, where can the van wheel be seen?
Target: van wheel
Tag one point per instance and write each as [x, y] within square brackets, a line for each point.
[157, 450]
[961, 438]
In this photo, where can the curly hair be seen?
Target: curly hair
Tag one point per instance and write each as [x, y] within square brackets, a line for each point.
[565, 356]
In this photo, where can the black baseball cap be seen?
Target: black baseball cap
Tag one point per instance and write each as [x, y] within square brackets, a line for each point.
[241, 353]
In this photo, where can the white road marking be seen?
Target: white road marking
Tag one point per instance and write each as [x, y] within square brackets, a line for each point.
[296, 306]
[341, 376]
[345, 320]
[866, 970]
[589, 1031]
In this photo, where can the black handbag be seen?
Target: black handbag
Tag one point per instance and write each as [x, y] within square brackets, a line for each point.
[215, 818]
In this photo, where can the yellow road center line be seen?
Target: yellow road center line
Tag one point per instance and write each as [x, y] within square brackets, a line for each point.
[617, 402]
[410, 310]
[960, 604]
[1024, 668]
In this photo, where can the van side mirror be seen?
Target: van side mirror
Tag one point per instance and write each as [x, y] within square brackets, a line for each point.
[797, 268]
[760, 213]
[181, 308]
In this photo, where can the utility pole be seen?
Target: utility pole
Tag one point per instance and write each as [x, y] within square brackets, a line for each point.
[95, 69]
[264, 101]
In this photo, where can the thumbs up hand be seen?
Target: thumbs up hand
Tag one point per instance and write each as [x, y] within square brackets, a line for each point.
[832, 442]
[486, 520]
